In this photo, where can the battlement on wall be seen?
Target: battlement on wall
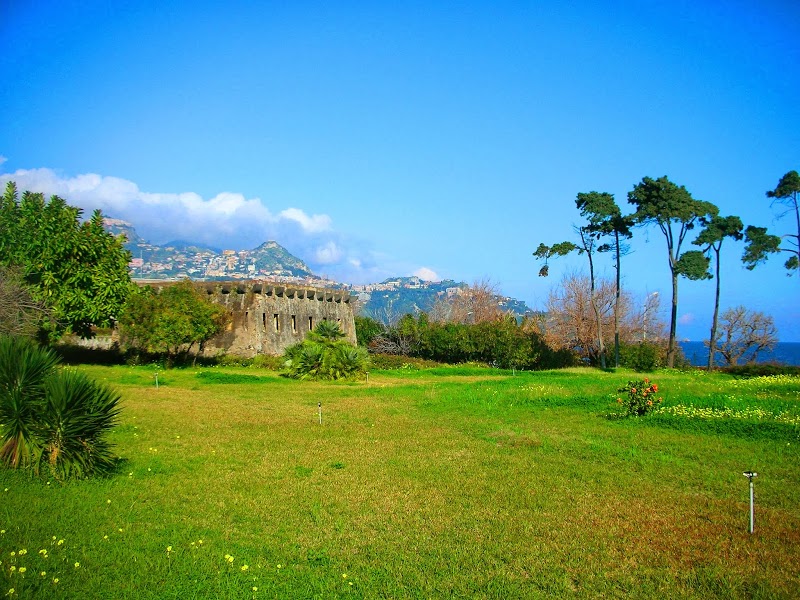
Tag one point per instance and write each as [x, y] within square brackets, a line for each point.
[261, 287]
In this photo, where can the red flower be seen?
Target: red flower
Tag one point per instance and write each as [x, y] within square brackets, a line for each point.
[654, 387]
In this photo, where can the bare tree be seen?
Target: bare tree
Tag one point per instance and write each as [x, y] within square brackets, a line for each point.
[20, 314]
[441, 311]
[476, 303]
[571, 318]
[743, 334]
[387, 315]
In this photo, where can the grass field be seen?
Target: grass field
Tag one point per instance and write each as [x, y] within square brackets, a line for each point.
[465, 483]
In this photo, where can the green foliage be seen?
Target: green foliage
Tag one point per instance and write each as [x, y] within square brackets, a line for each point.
[787, 192]
[395, 361]
[367, 329]
[693, 265]
[762, 370]
[544, 252]
[642, 357]
[77, 270]
[267, 361]
[639, 398]
[673, 210]
[53, 418]
[24, 369]
[760, 245]
[500, 343]
[326, 332]
[74, 420]
[325, 355]
[170, 322]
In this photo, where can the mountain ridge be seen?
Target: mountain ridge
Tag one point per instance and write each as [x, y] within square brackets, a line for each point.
[386, 300]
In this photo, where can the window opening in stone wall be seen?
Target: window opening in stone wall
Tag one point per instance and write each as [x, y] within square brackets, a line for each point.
[246, 316]
[275, 322]
[294, 323]
[310, 323]
[263, 321]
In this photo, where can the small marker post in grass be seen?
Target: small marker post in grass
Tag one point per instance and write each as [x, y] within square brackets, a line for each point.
[156, 379]
[751, 475]
[319, 406]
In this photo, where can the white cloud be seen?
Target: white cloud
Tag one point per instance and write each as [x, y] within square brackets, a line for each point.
[686, 319]
[427, 274]
[313, 224]
[228, 220]
[2, 159]
[328, 254]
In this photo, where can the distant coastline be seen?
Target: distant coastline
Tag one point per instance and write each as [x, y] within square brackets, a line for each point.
[785, 353]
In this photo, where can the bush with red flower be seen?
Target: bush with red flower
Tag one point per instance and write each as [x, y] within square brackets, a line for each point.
[639, 397]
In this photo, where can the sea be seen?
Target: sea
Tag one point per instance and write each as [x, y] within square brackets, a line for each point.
[784, 353]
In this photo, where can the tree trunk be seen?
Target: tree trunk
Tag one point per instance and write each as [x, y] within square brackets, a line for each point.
[713, 341]
[673, 324]
[598, 321]
[616, 304]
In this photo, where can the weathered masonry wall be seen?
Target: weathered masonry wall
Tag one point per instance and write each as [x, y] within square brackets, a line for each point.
[267, 318]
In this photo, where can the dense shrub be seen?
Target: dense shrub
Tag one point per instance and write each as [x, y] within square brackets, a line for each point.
[644, 356]
[762, 370]
[639, 398]
[24, 368]
[52, 418]
[367, 329]
[325, 355]
[267, 361]
[501, 343]
[395, 361]
[75, 417]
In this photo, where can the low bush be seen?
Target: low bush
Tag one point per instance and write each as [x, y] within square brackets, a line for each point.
[52, 418]
[642, 357]
[396, 361]
[761, 370]
[325, 355]
[639, 398]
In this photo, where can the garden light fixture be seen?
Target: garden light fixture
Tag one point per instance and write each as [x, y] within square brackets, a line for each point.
[751, 475]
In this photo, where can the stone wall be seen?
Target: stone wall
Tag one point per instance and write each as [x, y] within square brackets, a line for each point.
[266, 318]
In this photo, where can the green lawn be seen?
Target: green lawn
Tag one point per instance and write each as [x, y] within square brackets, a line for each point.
[465, 483]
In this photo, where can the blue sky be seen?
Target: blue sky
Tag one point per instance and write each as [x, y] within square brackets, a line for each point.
[383, 139]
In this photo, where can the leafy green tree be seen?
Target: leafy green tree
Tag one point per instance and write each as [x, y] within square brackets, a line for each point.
[367, 329]
[759, 245]
[786, 193]
[606, 219]
[545, 253]
[170, 321]
[588, 245]
[711, 237]
[76, 269]
[675, 212]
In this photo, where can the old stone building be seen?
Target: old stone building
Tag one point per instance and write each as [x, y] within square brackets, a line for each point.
[267, 317]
